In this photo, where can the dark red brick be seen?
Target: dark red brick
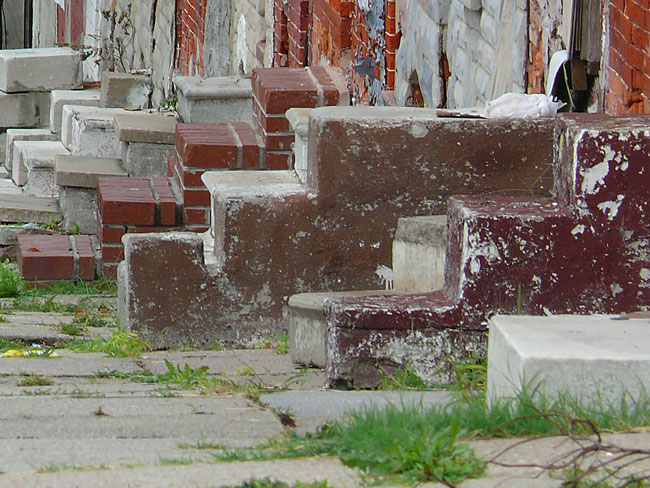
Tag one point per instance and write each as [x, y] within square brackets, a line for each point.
[196, 216]
[125, 200]
[206, 146]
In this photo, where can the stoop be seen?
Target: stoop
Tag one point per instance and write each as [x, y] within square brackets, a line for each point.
[61, 98]
[46, 69]
[597, 357]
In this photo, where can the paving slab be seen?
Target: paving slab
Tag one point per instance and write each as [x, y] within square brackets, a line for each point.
[147, 127]
[45, 328]
[60, 98]
[83, 171]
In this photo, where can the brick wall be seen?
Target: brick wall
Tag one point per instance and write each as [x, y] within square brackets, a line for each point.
[629, 57]
[190, 35]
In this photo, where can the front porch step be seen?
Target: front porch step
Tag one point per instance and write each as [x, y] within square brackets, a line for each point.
[15, 135]
[16, 208]
[220, 99]
[33, 167]
[61, 98]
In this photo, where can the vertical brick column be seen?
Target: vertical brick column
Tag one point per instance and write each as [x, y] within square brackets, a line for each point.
[297, 25]
[128, 205]
[275, 90]
[331, 26]
[629, 58]
[190, 35]
[392, 42]
[209, 147]
[280, 35]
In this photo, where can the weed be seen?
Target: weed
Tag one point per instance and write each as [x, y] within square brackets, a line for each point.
[185, 377]
[119, 345]
[246, 371]
[100, 412]
[30, 379]
[178, 461]
[403, 378]
[72, 329]
[10, 344]
[169, 103]
[101, 318]
[281, 343]
[11, 283]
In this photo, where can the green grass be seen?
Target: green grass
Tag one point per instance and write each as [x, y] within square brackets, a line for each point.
[30, 379]
[7, 344]
[11, 283]
[119, 345]
[408, 444]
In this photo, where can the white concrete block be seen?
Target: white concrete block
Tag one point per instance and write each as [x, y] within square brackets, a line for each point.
[60, 98]
[103, 118]
[34, 168]
[419, 252]
[42, 69]
[299, 120]
[593, 357]
[15, 135]
[220, 99]
[19, 109]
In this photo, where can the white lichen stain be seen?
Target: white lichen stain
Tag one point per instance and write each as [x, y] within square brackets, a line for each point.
[616, 289]
[578, 229]
[610, 208]
[537, 282]
[645, 277]
[376, 245]
[418, 130]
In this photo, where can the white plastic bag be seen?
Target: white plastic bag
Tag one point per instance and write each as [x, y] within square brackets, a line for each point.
[520, 105]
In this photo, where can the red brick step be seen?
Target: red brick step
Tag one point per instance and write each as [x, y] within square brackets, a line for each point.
[61, 257]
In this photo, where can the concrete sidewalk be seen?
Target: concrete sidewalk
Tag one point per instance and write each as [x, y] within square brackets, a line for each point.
[90, 428]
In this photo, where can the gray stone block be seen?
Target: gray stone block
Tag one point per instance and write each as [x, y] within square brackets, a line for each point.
[23, 208]
[596, 358]
[221, 99]
[70, 121]
[419, 253]
[60, 98]
[79, 207]
[19, 110]
[125, 90]
[146, 160]
[43, 69]
[33, 166]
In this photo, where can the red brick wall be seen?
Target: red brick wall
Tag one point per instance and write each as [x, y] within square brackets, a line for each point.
[190, 31]
[629, 57]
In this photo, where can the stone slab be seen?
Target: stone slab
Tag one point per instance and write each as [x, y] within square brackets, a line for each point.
[419, 253]
[307, 325]
[44, 328]
[42, 69]
[23, 208]
[72, 113]
[596, 357]
[60, 98]
[299, 120]
[221, 99]
[79, 207]
[94, 134]
[83, 171]
[14, 135]
[146, 127]
[20, 109]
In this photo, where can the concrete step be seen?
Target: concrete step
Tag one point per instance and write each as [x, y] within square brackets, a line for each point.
[33, 167]
[44, 69]
[90, 131]
[77, 178]
[148, 141]
[125, 90]
[24, 208]
[419, 253]
[595, 358]
[307, 324]
[24, 110]
[14, 135]
[61, 98]
[221, 99]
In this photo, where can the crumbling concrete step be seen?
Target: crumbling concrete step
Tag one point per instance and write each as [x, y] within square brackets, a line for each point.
[23, 208]
[595, 358]
[147, 142]
[221, 99]
[33, 167]
[419, 253]
[61, 257]
[90, 131]
[15, 135]
[60, 98]
[44, 69]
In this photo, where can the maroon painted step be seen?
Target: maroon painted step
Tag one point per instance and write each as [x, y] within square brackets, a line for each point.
[61, 257]
[586, 252]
